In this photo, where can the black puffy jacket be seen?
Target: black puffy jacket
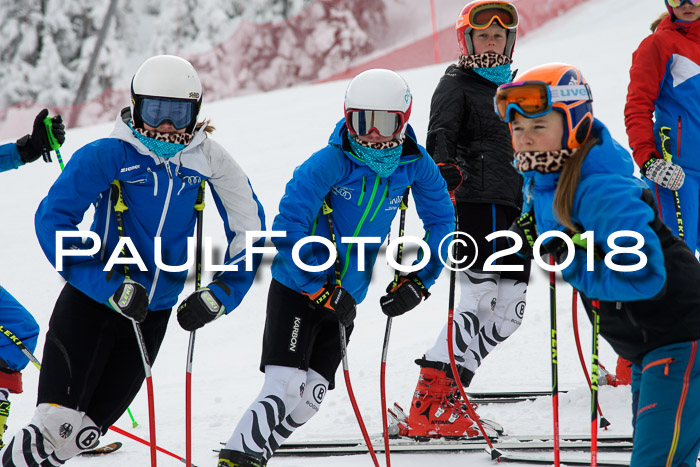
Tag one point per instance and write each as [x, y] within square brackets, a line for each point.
[465, 129]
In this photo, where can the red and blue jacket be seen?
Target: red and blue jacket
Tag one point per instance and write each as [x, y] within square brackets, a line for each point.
[665, 84]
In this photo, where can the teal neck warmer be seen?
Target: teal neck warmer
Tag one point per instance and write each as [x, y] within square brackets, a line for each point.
[161, 148]
[383, 162]
[498, 75]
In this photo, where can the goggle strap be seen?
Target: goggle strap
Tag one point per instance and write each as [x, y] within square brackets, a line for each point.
[570, 93]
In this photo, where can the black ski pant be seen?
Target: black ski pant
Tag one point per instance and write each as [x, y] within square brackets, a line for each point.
[92, 362]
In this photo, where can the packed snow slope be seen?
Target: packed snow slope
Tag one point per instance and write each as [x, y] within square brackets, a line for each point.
[269, 135]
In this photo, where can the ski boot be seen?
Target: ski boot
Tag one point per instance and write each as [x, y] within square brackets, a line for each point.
[231, 458]
[437, 412]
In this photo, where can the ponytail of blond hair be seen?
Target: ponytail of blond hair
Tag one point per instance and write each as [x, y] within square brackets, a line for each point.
[568, 183]
[209, 127]
[655, 23]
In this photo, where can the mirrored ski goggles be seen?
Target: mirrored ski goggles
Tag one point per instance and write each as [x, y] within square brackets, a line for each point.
[535, 98]
[154, 111]
[385, 122]
[677, 3]
[484, 14]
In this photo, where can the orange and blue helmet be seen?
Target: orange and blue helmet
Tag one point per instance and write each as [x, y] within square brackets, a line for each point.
[554, 86]
[481, 14]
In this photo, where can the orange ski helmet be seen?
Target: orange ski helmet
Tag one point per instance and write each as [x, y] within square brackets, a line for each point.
[554, 86]
[481, 14]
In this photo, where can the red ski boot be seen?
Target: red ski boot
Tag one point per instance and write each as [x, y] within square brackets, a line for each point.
[436, 411]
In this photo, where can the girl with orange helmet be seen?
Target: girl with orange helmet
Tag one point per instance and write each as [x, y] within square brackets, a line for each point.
[578, 179]
[473, 150]
[661, 116]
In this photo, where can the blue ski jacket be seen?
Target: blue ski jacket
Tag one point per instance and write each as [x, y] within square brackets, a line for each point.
[9, 157]
[160, 195]
[13, 316]
[607, 200]
[641, 310]
[364, 205]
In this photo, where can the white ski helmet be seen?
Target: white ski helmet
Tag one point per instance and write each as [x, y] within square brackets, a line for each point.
[382, 90]
[172, 81]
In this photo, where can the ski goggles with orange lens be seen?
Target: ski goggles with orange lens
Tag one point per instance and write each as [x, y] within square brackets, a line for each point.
[535, 98]
[677, 3]
[387, 123]
[483, 15]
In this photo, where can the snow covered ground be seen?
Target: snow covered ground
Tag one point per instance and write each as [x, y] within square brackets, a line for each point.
[270, 134]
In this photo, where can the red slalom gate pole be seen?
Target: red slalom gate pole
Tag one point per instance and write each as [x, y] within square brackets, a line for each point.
[146, 443]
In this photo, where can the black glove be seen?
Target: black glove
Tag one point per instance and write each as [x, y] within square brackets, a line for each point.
[199, 309]
[404, 296]
[524, 226]
[31, 147]
[452, 175]
[130, 300]
[337, 301]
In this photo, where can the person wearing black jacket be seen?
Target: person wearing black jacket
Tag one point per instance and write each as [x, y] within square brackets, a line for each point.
[473, 149]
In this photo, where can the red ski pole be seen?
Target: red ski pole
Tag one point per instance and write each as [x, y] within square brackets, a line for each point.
[327, 210]
[555, 368]
[144, 442]
[594, 384]
[199, 207]
[604, 423]
[495, 454]
[387, 332]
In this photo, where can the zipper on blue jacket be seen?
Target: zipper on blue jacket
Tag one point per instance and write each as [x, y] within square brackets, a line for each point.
[362, 194]
[166, 204]
[155, 181]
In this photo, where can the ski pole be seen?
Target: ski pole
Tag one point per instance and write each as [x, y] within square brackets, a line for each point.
[53, 143]
[327, 210]
[555, 368]
[666, 150]
[10, 335]
[495, 454]
[594, 383]
[199, 208]
[143, 441]
[387, 332]
[119, 208]
[134, 423]
[604, 423]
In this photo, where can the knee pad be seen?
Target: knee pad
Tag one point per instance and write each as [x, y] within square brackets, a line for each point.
[314, 393]
[59, 425]
[510, 305]
[477, 293]
[86, 438]
[283, 385]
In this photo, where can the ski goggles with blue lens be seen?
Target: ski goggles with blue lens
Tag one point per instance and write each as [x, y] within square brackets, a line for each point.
[535, 98]
[156, 110]
[387, 123]
[677, 3]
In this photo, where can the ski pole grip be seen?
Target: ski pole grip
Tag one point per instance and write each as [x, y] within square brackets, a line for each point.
[48, 123]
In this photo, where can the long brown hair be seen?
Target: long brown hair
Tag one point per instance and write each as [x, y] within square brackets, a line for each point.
[655, 23]
[568, 183]
[209, 127]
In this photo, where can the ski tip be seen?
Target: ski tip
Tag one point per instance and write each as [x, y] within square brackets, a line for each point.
[106, 449]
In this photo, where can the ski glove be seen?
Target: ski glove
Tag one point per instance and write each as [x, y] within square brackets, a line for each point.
[336, 300]
[404, 296]
[452, 174]
[665, 173]
[130, 300]
[199, 309]
[524, 226]
[31, 147]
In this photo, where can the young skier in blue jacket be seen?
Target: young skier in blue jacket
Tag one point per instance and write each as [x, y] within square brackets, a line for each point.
[362, 174]
[17, 322]
[92, 366]
[578, 179]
